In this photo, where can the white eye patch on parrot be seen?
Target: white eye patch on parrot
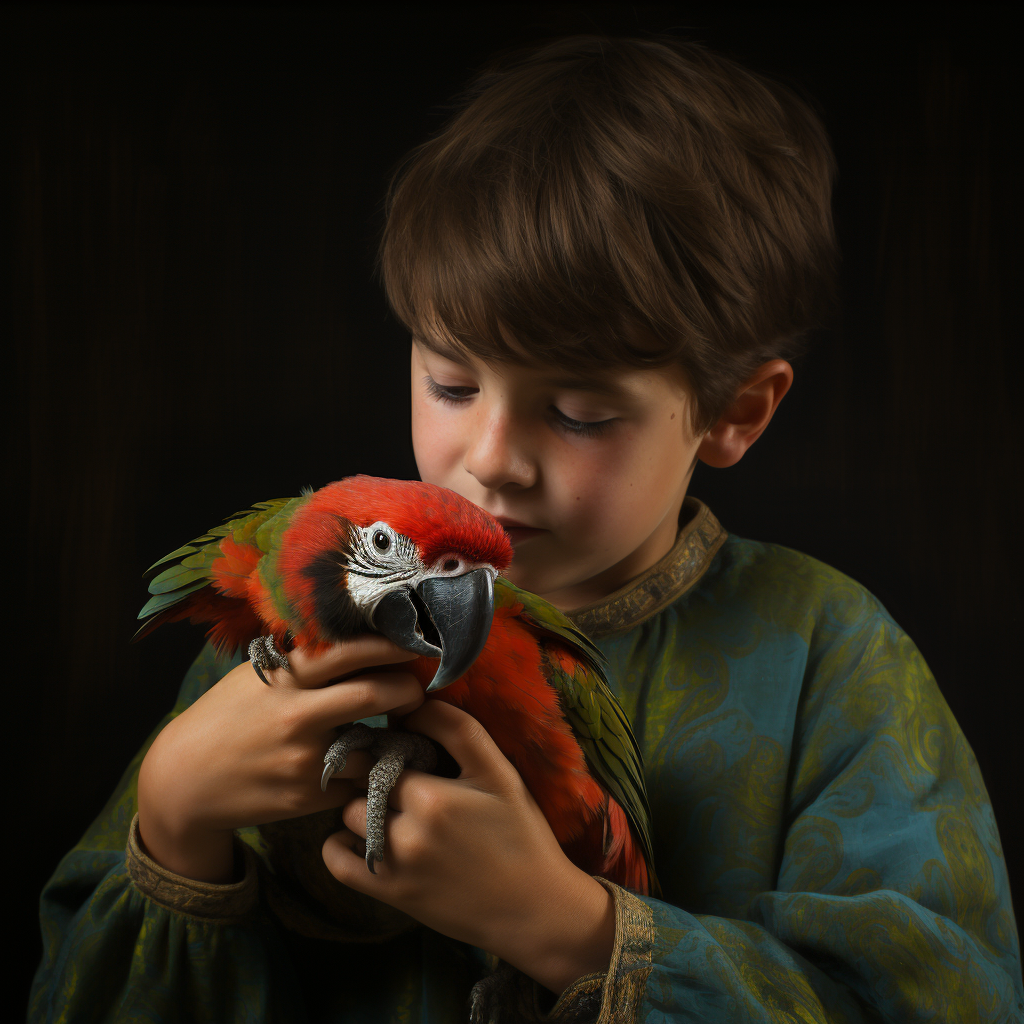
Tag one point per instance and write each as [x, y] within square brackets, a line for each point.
[381, 559]
[442, 610]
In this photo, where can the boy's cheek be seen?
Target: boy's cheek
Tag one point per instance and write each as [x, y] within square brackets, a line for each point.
[434, 448]
[589, 501]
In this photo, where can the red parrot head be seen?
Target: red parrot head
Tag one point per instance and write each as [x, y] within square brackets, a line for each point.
[408, 559]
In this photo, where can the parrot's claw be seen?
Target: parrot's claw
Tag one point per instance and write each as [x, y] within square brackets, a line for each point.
[356, 737]
[392, 752]
[263, 654]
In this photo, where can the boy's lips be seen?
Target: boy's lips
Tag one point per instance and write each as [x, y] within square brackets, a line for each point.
[516, 530]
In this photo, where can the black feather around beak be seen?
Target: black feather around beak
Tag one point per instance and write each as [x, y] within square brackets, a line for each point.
[460, 611]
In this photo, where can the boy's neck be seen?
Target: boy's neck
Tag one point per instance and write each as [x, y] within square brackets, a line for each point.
[598, 587]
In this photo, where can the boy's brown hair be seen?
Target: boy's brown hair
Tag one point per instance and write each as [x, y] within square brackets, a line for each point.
[602, 201]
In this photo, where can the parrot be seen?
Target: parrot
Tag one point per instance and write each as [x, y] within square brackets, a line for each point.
[423, 566]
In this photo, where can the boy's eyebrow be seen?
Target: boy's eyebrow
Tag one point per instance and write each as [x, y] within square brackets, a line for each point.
[602, 385]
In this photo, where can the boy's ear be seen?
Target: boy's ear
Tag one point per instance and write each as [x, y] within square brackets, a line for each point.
[751, 411]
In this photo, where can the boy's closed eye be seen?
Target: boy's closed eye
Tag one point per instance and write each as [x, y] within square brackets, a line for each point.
[459, 394]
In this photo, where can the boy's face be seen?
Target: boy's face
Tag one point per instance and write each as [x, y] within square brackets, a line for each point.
[595, 471]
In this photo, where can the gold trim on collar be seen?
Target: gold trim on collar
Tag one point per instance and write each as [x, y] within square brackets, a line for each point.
[700, 536]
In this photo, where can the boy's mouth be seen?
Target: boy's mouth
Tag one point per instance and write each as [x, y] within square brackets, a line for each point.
[518, 531]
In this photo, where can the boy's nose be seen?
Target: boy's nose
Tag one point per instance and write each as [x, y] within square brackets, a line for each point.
[497, 455]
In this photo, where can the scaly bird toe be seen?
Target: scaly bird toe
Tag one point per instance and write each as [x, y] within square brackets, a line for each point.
[356, 737]
[263, 654]
[395, 751]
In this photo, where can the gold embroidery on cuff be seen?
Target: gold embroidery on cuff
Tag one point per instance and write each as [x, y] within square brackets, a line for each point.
[204, 901]
[631, 966]
[507, 996]
[699, 538]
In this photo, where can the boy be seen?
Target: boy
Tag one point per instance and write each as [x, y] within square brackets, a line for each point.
[606, 261]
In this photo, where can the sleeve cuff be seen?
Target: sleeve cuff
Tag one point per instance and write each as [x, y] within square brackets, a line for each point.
[204, 901]
[615, 997]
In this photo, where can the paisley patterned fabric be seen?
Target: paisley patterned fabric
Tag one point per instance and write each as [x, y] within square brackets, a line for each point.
[821, 830]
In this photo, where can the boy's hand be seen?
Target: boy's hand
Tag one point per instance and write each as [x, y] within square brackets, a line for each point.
[475, 859]
[246, 753]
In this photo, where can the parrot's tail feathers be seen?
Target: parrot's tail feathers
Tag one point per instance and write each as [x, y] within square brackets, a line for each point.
[624, 861]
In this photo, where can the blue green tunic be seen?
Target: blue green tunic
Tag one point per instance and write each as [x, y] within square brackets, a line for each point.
[822, 832]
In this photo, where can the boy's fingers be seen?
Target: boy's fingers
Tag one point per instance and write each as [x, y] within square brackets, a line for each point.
[339, 792]
[364, 696]
[309, 671]
[344, 856]
[462, 736]
[354, 814]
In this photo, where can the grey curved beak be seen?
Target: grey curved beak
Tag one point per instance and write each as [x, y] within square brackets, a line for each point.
[460, 609]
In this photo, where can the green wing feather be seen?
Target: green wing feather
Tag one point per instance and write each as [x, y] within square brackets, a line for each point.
[597, 719]
[260, 526]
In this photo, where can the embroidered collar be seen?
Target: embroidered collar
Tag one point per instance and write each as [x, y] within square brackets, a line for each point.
[700, 537]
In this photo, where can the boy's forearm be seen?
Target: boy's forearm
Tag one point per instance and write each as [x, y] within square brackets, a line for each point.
[573, 936]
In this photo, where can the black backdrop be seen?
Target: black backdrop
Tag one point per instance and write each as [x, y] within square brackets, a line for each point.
[196, 199]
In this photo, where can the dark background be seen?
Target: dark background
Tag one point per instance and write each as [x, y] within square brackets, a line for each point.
[196, 200]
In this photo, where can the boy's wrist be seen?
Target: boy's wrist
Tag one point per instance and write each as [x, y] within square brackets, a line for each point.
[572, 935]
[192, 852]
[207, 901]
[169, 833]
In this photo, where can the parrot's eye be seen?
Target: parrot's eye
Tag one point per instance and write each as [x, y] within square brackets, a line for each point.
[381, 541]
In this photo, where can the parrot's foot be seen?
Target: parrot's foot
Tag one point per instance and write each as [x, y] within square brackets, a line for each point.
[392, 753]
[356, 737]
[395, 751]
[263, 653]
